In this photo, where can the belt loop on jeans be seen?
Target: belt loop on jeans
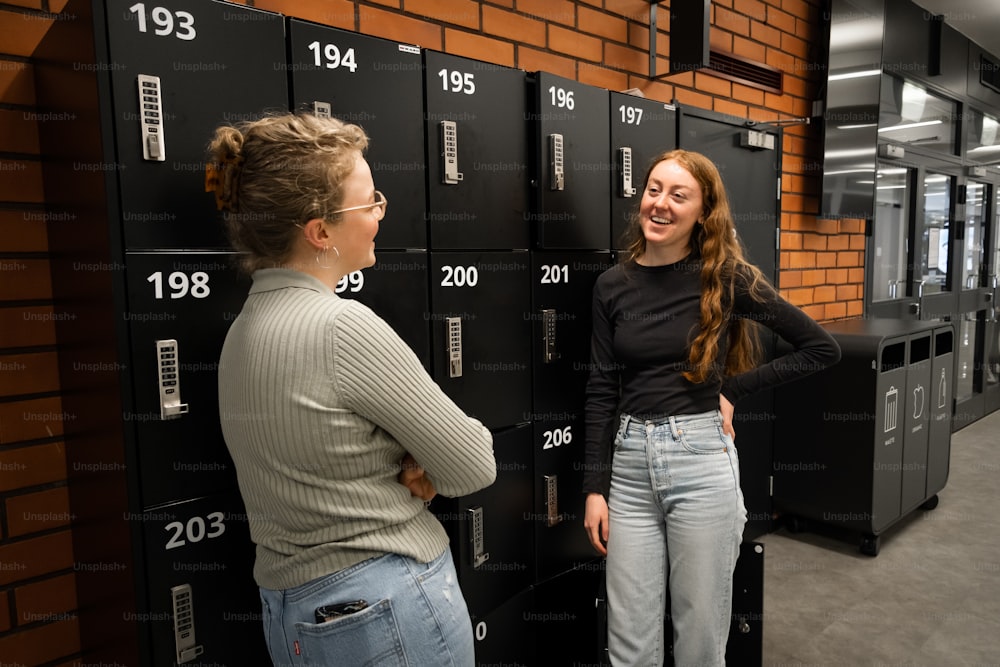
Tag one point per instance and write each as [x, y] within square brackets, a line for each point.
[626, 420]
[675, 432]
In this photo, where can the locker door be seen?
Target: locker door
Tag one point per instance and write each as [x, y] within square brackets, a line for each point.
[641, 129]
[396, 289]
[180, 307]
[479, 331]
[204, 76]
[752, 178]
[378, 85]
[562, 286]
[477, 149]
[203, 604]
[490, 530]
[506, 635]
[571, 128]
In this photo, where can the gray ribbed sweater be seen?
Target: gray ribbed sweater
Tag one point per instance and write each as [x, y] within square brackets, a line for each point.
[319, 400]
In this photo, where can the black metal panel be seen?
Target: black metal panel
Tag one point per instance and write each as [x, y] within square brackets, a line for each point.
[191, 298]
[203, 543]
[644, 128]
[569, 621]
[478, 195]
[377, 84]
[396, 288]
[502, 565]
[572, 210]
[489, 294]
[561, 542]
[942, 391]
[752, 179]
[506, 635]
[562, 286]
[164, 203]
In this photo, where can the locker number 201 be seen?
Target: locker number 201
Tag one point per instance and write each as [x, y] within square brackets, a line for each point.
[333, 57]
[553, 274]
[164, 20]
[180, 284]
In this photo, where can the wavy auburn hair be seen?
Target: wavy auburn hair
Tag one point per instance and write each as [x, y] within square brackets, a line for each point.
[723, 263]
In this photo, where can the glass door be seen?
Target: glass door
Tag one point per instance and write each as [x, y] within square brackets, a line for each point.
[888, 252]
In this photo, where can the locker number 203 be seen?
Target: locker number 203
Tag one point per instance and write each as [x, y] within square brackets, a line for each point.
[195, 530]
[180, 284]
[164, 20]
[329, 55]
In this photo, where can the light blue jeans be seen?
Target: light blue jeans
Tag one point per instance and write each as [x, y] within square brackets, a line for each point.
[416, 616]
[676, 510]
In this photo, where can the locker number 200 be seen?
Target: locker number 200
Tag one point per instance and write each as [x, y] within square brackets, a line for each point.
[459, 276]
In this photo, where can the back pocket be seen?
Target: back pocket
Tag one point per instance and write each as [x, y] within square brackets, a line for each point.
[367, 638]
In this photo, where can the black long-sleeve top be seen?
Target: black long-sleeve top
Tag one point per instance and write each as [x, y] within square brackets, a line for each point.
[644, 319]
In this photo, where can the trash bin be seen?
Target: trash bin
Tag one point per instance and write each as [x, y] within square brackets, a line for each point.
[861, 444]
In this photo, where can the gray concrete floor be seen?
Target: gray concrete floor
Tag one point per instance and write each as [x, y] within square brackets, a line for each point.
[930, 598]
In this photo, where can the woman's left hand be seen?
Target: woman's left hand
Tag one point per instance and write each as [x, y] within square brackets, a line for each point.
[727, 409]
[413, 477]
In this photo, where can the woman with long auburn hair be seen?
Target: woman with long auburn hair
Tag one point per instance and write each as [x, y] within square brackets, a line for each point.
[674, 347]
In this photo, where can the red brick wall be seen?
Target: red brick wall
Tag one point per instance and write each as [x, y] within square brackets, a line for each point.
[599, 42]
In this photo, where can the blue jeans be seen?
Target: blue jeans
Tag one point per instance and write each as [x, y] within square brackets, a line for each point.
[416, 615]
[675, 510]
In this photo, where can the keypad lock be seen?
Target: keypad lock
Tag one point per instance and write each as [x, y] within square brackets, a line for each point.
[450, 175]
[168, 375]
[187, 648]
[151, 118]
[558, 162]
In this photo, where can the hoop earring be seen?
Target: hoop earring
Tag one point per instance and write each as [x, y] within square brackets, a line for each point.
[323, 264]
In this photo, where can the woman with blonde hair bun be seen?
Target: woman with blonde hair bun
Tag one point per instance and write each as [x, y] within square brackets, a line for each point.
[338, 434]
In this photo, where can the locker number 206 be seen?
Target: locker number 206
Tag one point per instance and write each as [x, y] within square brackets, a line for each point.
[557, 437]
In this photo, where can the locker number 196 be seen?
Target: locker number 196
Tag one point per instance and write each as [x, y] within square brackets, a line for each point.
[330, 56]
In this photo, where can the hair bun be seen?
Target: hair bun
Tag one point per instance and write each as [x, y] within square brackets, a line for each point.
[224, 167]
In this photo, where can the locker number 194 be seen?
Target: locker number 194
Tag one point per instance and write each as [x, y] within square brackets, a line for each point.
[330, 56]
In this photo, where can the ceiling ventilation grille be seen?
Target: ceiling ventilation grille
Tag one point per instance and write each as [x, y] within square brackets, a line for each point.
[750, 73]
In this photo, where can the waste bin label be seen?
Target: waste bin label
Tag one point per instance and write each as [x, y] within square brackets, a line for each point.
[891, 405]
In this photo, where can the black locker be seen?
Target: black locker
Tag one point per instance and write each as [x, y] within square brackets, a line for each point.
[206, 78]
[138, 90]
[396, 289]
[562, 286]
[377, 84]
[199, 584]
[570, 618]
[572, 206]
[752, 177]
[186, 303]
[480, 308]
[490, 533]
[477, 154]
[641, 129]
[506, 635]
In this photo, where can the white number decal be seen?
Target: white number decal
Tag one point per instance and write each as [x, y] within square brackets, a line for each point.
[480, 631]
[631, 115]
[460, 276]
[558, 437]
[562, 98]
[180, 284]
[352, 282]
[195, 530]
[457, 82]
[164, 20]
[554, 274]
[334, 58]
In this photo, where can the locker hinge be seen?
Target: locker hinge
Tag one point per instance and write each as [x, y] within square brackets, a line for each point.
[777, 238]
[770, 485]
[777, 194]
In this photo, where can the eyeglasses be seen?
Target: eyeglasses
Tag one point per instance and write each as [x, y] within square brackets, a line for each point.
[381, 203]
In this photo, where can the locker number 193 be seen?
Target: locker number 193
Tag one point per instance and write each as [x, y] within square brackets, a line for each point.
[164, 20]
